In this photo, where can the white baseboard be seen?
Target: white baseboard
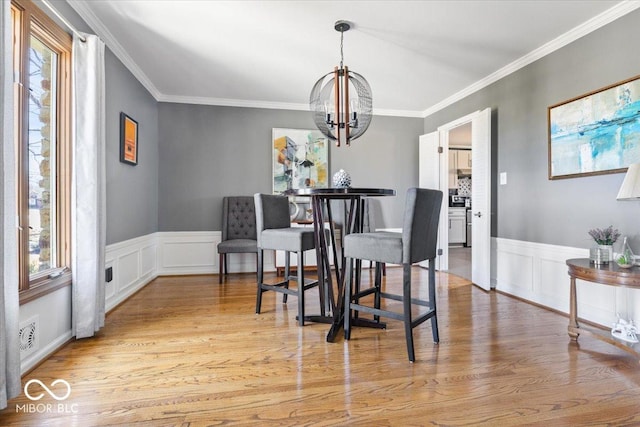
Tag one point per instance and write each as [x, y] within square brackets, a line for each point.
[538, 272]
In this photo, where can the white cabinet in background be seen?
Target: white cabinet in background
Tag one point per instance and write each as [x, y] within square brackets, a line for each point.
[464, 159]
[453, 168]
[458, 159]
[457, 226]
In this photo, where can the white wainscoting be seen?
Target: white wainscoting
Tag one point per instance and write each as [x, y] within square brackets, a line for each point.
[537, 272]
[532, 271]
[134, 264]
[188, 252]
[138, 261]
[196, 252]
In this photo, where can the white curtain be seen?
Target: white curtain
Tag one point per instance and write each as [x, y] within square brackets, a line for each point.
[88, 208]
[9, 304]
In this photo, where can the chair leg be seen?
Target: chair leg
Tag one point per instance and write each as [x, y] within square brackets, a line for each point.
[260, 273]
[384, 267]
[406, 302]
[256, 265]
[357, 283]
[220, 258]
[432, 300]
[378, 286]
[300, 288]
[287, 271]
[348, 280]
[322, 285]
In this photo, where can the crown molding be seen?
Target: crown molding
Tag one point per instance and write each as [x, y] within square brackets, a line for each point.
[80, 6]
[570, 36]
[227, 102]
[103, 32]
[579, 31]
[397, 113]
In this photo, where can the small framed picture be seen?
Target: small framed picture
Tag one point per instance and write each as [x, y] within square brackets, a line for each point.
[128, 140]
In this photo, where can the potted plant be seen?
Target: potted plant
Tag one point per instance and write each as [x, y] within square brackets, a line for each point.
[605, 238]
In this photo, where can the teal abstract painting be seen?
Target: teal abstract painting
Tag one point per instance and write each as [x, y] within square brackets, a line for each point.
[596, 133]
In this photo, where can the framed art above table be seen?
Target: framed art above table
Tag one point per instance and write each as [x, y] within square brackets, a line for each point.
[596, 133]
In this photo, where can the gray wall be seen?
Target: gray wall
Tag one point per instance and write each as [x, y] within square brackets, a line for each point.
[132, 191]
[531, 207]
[207, 152]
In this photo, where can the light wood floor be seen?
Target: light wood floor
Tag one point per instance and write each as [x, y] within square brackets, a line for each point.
[460, 261]
[186, 351]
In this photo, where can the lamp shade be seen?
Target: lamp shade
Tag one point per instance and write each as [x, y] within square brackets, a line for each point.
[630, 189]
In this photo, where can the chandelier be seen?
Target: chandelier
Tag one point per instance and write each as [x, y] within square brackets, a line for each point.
[341, 100]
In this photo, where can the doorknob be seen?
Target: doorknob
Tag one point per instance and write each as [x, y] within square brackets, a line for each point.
[478, 214]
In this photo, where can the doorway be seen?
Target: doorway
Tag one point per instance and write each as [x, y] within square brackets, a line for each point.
[460, 184]
[434, 173]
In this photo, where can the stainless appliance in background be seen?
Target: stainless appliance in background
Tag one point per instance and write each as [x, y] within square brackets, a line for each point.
[456, 201]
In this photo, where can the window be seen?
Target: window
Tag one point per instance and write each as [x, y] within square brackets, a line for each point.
[42, 59]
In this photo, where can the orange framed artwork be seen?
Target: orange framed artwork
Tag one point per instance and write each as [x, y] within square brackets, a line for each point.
[128, 140]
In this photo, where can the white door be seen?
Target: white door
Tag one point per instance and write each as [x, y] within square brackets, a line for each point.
[481, 199]
[431, 176]
[480, 194]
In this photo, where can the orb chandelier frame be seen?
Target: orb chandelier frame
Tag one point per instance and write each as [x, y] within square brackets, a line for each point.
[341, 101]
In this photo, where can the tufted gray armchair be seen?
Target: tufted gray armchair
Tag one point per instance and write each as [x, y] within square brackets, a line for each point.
[238, 229]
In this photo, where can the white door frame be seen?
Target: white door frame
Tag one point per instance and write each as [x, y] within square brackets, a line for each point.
[480, 142]
[430, 169]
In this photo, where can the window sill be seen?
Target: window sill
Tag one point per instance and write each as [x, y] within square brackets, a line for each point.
[45, 287]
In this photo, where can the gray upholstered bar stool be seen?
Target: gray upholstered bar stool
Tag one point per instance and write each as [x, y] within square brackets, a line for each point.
[274, 232]
[417, 242]
[238, 230]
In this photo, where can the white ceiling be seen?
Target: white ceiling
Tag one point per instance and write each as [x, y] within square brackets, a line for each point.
[418, 56]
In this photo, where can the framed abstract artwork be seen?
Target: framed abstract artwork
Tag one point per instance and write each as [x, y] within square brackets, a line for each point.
[300, 159]
[128, 140]
[596, 133]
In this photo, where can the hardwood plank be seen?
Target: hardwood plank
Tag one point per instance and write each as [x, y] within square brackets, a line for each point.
[187, 351]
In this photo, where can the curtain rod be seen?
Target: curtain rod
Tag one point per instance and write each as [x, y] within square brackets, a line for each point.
[64, 21]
